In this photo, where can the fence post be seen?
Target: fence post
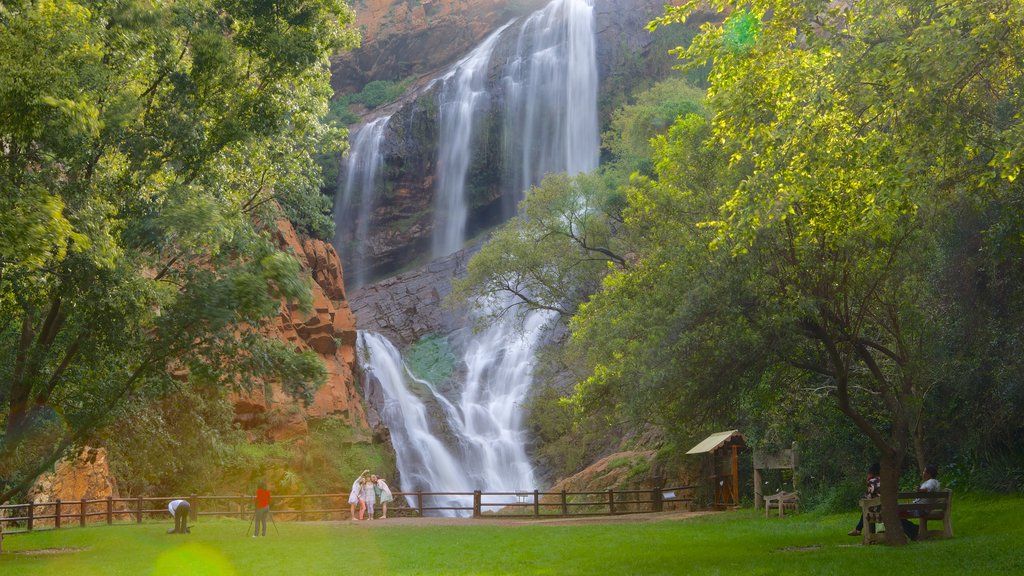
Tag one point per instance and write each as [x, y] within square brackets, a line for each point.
[419, 502]
[81, 517]
[56, 513]
[31, 514]
[241, 508]
[139, 519]
[657, 496]
[110, 510]
[536, 502]
[611, 502]
[565, 505]
[476, 504]
[194, 507]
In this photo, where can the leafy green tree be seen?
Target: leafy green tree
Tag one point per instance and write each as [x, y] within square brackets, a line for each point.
[849, 129]
[553, 254]
[146, 150]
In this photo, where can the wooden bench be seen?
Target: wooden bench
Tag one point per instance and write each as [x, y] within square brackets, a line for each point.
[782, 500]
[922, 506]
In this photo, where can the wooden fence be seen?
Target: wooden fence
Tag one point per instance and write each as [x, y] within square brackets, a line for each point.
[18, 518]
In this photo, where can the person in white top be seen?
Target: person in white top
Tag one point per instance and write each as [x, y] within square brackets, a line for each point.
[930, 484]
[180, 510]
[353, 496]
[383, 492]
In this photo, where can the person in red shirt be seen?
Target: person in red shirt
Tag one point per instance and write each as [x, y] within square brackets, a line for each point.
[262, 508]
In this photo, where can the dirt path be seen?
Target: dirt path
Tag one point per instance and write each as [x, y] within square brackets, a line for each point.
[529, 520]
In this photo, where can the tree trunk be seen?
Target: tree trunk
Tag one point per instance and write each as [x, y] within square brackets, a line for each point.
[892, 463]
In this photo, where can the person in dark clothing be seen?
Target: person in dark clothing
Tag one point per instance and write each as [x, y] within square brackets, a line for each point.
[874, 487]
[180, 510]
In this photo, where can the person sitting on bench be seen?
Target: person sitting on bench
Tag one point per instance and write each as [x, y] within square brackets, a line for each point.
[930, 484]
[874, 489]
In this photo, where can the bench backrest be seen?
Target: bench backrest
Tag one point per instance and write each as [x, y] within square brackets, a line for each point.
[925, 503]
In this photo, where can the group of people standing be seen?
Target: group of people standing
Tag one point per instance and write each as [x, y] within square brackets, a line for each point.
[366, 491]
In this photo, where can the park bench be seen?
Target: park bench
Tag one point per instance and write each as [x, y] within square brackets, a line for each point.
[781, 501]
[922, 506]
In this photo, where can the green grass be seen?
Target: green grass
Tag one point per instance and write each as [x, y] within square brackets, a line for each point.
[989, 531]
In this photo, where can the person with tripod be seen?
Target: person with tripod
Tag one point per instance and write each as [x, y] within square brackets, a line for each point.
[262, 508]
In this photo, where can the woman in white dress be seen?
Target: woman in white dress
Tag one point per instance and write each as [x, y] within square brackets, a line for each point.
[353, 496]
[366, 499]
[384, 492]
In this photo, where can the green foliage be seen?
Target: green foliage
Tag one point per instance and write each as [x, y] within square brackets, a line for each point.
[632, 127]
[148, 148]
[431, 358]
[552, 254]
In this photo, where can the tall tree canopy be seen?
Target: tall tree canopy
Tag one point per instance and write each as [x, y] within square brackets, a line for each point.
[146, 149]
[846, 139]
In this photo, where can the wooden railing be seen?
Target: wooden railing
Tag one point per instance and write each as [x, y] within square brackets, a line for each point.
[17, 518]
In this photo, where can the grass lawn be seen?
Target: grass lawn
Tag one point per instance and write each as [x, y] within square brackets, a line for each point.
[989, 540]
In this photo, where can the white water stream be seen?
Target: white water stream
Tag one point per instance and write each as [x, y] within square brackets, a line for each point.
[358, 197]
[484, 448]
[549, 86]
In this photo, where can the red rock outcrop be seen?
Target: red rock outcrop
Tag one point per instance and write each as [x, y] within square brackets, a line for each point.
[86, 475]
[329, 329]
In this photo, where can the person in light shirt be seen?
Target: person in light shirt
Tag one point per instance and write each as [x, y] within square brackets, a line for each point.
[180, 510]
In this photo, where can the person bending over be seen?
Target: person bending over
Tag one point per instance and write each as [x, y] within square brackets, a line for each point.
[180, 510]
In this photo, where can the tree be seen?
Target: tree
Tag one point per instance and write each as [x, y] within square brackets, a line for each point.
[553, 254]
[849, 128]
[146, 150]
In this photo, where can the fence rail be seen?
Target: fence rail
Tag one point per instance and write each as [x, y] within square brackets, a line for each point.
[20, 518]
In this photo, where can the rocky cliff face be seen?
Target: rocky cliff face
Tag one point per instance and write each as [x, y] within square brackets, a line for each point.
[402, 38]
[329, 330]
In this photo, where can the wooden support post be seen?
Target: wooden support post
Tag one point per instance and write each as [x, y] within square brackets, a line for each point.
[194, 507]
[81, 514]
[758, 490]
[419, 502]
[659, 499]
[476, 504]
[110, 510]
[536, 503]
[565, 505]
[611, 502]
[138, 520]
[735, 476]
[56, 514]
[31, 514]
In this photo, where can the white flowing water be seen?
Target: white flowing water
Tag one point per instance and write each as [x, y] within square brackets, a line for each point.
[550, 125]
[551, 87]
[485, 442]
[463, 96]
[354, 209]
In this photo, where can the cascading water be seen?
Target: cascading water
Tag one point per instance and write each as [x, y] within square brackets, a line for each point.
[549, 86]
[550, 89]
[462, 97]
[485, 423]
[354, 210]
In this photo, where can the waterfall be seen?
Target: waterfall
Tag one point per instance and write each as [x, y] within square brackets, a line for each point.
[485, 450]
[547, 96]
[462, 97]
[549, 120]
[550, 84]
[353, 212]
